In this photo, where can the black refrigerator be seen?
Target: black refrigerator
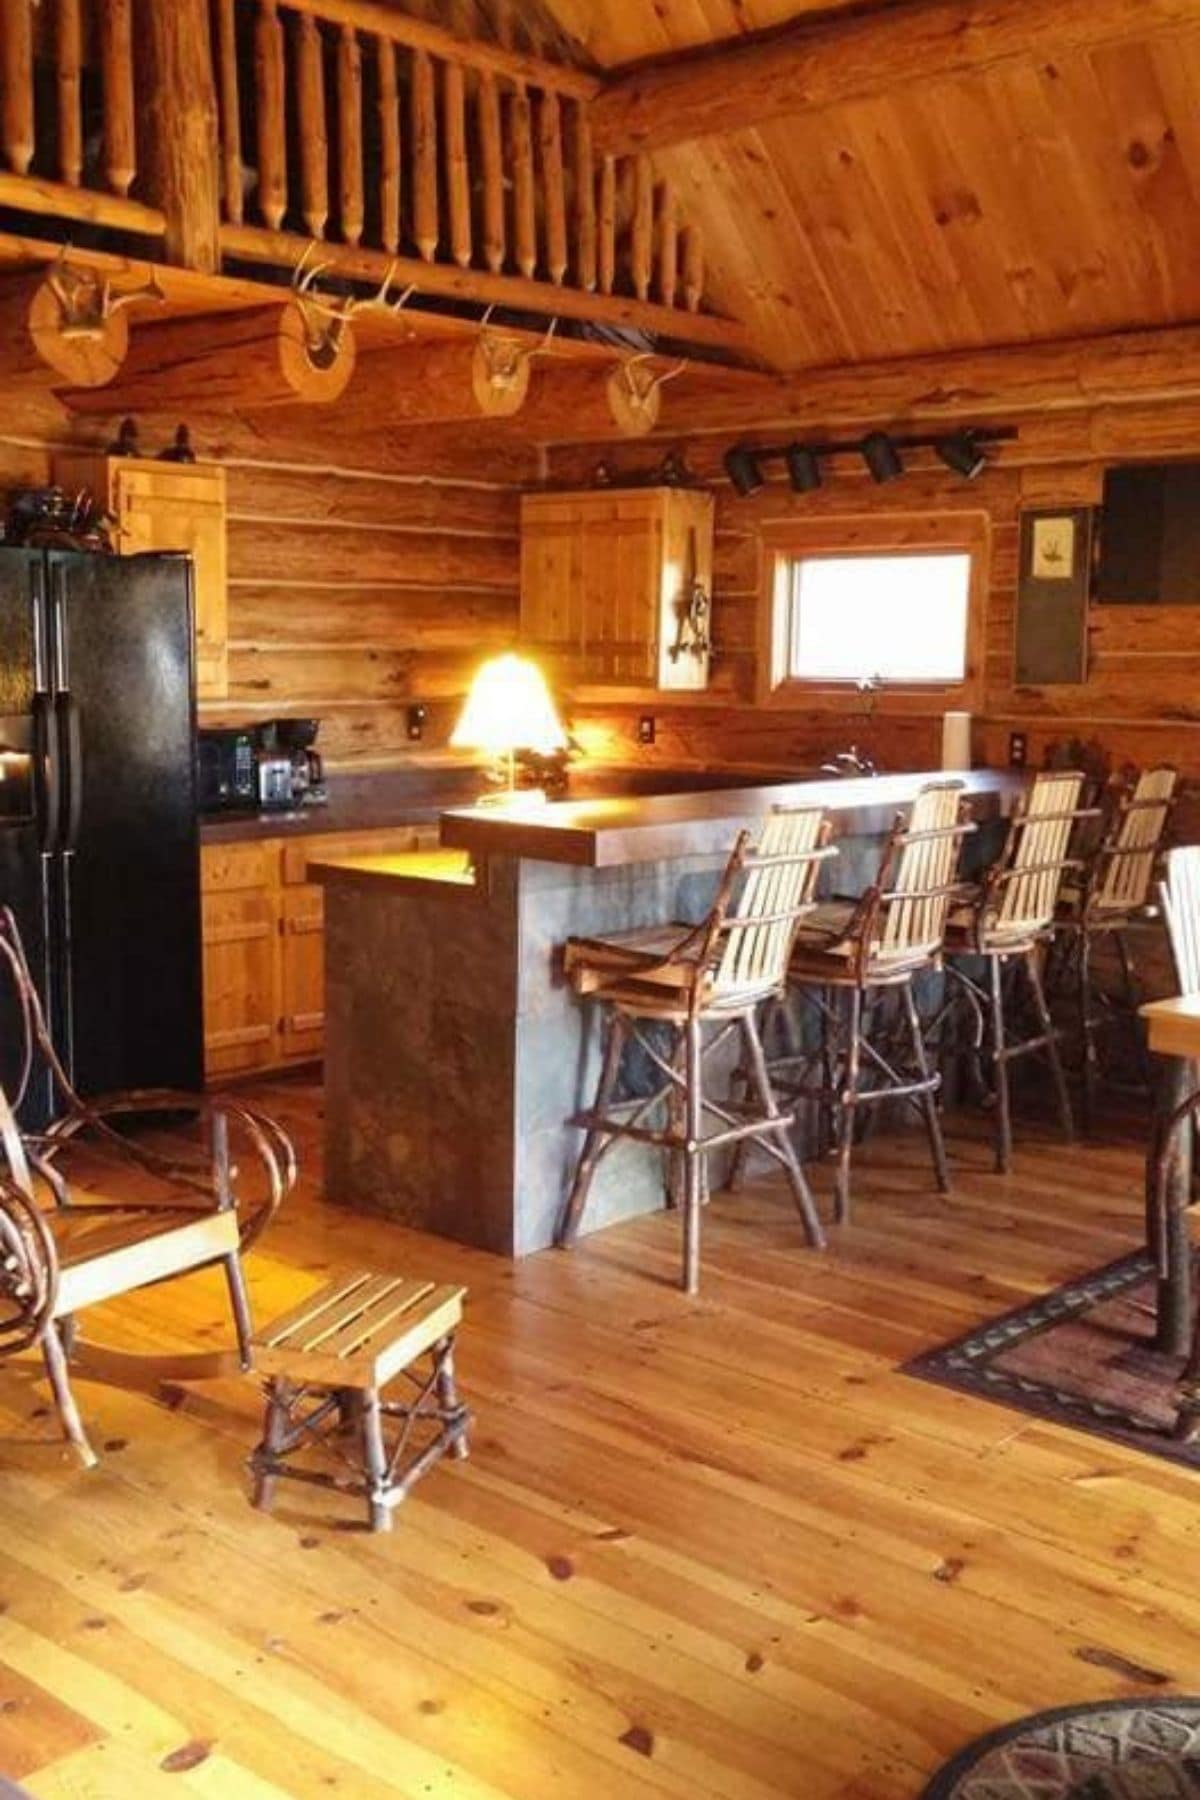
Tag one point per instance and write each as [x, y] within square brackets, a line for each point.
[99, 845]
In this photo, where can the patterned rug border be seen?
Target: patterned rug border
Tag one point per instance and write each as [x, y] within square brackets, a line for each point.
[962, 1364]
[942, 1786]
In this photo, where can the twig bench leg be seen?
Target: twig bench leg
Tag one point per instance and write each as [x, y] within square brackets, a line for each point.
[279, 1403]
[456, 1419]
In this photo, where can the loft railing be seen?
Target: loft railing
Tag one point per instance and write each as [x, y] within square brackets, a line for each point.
[349, 124]
[243, 131]
[68, 115]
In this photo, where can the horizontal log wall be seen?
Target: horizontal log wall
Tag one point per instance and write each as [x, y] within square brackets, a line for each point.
[354, 590]
[1141, 701]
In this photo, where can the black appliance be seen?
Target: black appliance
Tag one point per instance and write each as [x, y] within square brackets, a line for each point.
[296, 738]
[228, 776]
[99, 845]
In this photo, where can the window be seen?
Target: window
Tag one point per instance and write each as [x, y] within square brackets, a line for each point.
[864, 618]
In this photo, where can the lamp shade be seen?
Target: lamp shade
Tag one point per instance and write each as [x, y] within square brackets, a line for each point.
[509, 708]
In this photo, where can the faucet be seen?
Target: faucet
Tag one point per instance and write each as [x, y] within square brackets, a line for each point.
[849, 763]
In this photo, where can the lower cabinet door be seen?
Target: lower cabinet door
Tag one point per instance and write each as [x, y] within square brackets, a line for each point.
[241, 987]
[302, 976]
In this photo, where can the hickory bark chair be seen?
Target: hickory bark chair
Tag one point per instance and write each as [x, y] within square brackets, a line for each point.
[68, 1242]
[1009, 924]
[854, 956]
[712, 979]
[1113, 898]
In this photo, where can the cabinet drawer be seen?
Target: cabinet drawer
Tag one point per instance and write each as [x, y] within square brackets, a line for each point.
[226, 867]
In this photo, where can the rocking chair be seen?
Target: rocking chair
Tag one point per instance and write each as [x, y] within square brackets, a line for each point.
[67, 1241]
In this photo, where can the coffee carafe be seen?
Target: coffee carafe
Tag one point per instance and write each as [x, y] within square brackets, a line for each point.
[296, 738]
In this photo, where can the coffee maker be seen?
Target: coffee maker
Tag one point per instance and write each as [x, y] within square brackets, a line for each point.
[295, 738]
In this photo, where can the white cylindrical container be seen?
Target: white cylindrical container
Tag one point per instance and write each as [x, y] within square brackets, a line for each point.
[956, 740]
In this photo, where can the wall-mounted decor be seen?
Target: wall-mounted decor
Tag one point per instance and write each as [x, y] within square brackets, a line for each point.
[1052, 596]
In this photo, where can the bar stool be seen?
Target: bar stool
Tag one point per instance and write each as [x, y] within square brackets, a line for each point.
[1113, 896]
[705, 983]
[1010, 921]
[891, 935]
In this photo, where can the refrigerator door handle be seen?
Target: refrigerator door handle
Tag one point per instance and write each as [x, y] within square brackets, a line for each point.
[49, 770]
[72, 739]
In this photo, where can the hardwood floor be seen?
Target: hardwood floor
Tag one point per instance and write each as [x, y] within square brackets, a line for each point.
[707, 1548]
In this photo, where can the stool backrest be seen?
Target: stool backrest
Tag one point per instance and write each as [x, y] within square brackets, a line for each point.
[766, 892]
[1125, 863]
[918, 879]
[1179, 895]
[1021, 890]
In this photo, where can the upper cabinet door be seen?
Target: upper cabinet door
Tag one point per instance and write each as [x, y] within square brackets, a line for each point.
[172, 507]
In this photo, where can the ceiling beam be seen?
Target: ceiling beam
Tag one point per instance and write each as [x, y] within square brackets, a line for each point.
[960, 386]
[750, 81]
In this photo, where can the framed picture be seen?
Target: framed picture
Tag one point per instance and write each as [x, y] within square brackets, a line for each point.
[1053, 547]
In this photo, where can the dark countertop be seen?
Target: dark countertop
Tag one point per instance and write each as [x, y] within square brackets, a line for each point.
[604, 833]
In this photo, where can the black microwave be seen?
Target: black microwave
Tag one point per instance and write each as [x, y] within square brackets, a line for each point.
[228, 770]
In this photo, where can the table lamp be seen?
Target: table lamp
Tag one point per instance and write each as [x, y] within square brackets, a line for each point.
[508, 709]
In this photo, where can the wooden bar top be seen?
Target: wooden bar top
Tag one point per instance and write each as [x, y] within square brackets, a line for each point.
[608, 833]
[1174, 1025]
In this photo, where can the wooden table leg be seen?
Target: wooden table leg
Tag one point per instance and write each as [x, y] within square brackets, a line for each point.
[1174, 1299]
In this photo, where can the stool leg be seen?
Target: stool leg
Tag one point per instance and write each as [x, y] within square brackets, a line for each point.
[694, 1156]
[279, 1396]
[1087, 1029]
[375, 1460]
[801, 1192]
[933, 1123]
[1000, 1068]
[55, 1359]
[595, 1143]
[1132, 1000]
[449, 1401]
[847, 1101]
[1046, 1026]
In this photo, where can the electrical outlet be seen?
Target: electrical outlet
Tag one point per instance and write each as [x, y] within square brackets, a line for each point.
[1018, 747]
[647, 729]
[415, 724]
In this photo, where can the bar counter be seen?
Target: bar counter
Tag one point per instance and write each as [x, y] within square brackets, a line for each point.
[456, 1053]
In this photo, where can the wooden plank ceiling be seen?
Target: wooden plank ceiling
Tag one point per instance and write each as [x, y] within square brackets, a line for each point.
[1044, 200]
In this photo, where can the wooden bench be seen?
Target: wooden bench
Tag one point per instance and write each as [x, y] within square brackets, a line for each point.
[326, 1363]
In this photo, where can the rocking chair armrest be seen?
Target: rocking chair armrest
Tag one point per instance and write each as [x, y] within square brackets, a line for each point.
[28, 1270]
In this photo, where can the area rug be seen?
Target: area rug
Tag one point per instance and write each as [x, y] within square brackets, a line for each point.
[1082, 1355]
[1111, 1750]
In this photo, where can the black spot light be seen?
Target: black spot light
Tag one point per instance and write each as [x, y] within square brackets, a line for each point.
[962, 454]
[881, 457]
[744, 470]
[803, 467]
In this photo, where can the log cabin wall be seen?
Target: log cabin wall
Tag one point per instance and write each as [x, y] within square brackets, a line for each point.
[1140, 702]
[364, 576]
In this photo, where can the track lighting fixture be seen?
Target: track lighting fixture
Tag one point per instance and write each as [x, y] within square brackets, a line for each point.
[961, 453]
[881, 456]
[744, 470]
[803, 467]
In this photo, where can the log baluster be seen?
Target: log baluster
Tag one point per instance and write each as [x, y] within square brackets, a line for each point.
[389, 145]
[425, 153]
[116, 66]
[458, 173]
[491, 162]
[606, 249]
[272, 118]
[642, 238]
[524, 204]
[68, 55]
[350, 135]
[693, 267]
[668, 245]
[313, 132]
[16, 83]
[584, 173]
[550, 156]
[231, 123]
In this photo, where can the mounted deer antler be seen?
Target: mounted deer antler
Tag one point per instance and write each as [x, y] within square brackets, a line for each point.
[500, 369]
[86, 300]
[327, 317]
[634, 393]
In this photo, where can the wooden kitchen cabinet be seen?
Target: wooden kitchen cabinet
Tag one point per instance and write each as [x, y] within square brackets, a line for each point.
[264, 945]
[170, 506]
[616, 585]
